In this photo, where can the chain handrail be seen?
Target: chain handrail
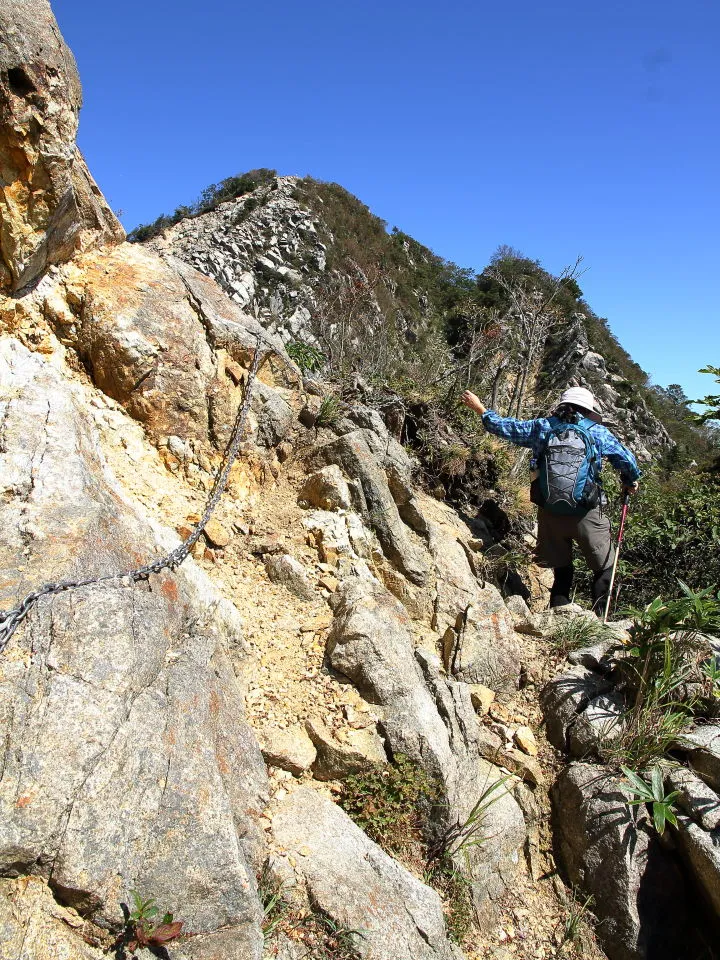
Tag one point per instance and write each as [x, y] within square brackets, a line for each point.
[10, 619]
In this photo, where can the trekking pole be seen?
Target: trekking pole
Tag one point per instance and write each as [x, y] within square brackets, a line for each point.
[623, 517]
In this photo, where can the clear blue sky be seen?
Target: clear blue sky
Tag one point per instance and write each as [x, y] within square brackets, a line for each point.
[561, 128]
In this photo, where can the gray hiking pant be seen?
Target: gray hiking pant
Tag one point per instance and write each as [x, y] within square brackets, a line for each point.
[592, 534]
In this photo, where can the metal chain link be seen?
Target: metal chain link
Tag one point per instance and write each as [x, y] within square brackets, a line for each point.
[10, 619]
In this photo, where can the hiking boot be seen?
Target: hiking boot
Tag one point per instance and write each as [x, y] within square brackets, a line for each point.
[559, 601]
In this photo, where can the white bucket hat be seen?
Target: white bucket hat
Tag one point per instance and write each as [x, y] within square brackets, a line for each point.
[580, 397]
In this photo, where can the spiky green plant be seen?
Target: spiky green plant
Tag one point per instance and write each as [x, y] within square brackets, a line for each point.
[653, 794]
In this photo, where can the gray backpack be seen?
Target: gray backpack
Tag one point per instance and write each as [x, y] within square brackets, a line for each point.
[567, 470]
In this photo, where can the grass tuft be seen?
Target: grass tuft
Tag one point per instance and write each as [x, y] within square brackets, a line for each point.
[572, 633]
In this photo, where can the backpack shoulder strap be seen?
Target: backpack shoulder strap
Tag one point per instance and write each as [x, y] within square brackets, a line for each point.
[584, 428]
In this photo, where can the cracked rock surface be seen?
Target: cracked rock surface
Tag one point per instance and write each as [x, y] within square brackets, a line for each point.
[126, 762]
[50, 206]
[351, 880]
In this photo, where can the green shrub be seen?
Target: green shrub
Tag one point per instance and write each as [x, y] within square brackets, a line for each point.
[307, 357]
[673, 533]
[145, 927]
[663, 675]
[711, 401]
[393, 805]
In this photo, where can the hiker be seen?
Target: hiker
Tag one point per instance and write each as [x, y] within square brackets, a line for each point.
[567, 451]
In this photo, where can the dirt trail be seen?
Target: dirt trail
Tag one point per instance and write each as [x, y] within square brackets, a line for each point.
[283, 669]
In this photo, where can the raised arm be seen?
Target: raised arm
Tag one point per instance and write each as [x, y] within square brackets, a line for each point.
[524, 433]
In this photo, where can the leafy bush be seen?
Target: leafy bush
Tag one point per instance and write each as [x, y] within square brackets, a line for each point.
[393, 805]
[664, 675]
[711, 401]
[307, 357]
[673, 533]
[145, 928]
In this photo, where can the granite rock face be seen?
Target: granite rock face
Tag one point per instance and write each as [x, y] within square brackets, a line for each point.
[429, 719]
[34, 926]
[50, 206]
[129, 765]
[638, 890]
[479, 640]
[355, 883]
[363, 459]
[264, 250]
[162, 340]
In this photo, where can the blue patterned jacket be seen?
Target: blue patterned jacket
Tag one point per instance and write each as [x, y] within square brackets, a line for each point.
[532, 433]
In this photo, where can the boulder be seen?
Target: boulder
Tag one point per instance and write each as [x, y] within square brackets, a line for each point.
[368, 418]
[135, 327]
[596, 656]
[129, 765]
[564, 697]
[700, 850]
[357, 885]
[702, 746]
[479, 641]
[157, 339]
[493, 748]
[358, 455]
[431, 720]
[287, 570]
[326, 489]
[697, 799]
[336, 760]
[610, 851]
[482, 647]
[273, 414]
[523, 766]
[523, 619]
[341, 536]
[34, 926]
[599, 724]
[290, 750]
[50, 206]
[490, 745]
[371, 643]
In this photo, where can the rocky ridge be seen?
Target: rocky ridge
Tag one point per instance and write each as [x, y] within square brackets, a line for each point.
[264, 249]
[269, 250]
